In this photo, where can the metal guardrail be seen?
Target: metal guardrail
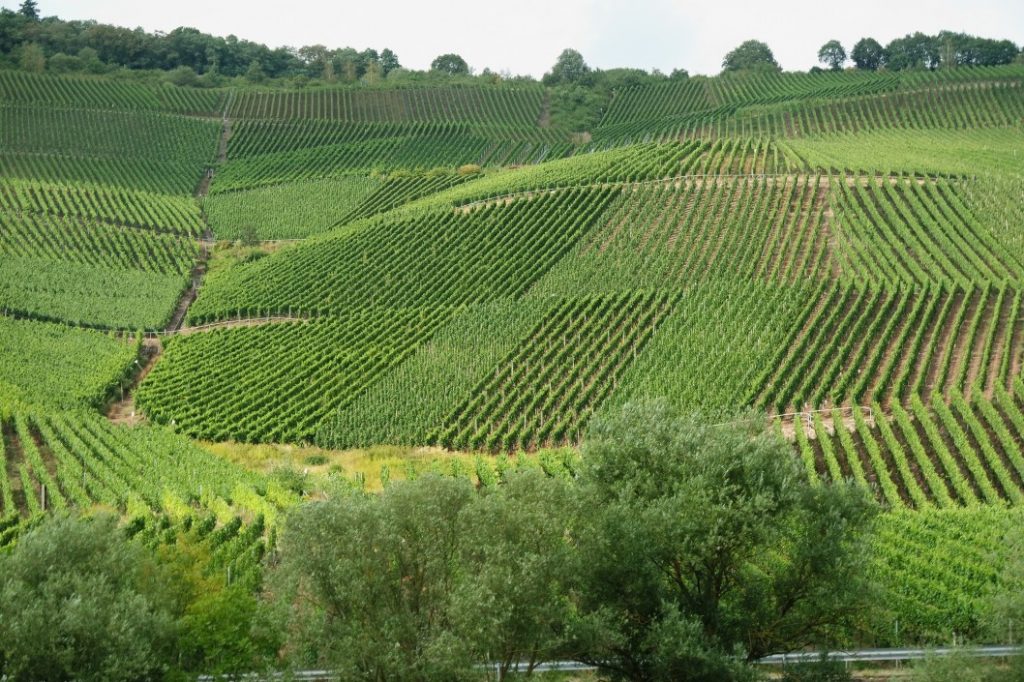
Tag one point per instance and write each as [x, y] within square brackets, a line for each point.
[853, 656]
[889, 655]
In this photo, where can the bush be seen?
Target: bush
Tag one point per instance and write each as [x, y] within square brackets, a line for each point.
[78, 600]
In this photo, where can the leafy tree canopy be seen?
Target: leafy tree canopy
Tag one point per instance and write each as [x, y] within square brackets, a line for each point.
[29, 9]
[77, 601]
[753, 55]
[703, 541]
[832, 55]
[867, 54]
[450, 64]
[569, 69]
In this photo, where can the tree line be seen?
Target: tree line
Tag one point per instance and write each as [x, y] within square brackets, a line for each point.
[673, 549]
[189, 57]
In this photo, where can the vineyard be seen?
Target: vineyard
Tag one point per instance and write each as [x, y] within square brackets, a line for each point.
[840, 252]
[164, 484]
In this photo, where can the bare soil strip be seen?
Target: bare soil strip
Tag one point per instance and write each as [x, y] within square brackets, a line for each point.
[14, 458]
[989, 316]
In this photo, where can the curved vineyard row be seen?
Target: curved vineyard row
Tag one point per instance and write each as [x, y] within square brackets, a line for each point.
[919, 233]
[682, 231]
[89, 92]
[963, 107]
[545, 390]
[441, 257]
[291, 211]
[405, 404]
[258, 137]
[49, 364]
[992, 153]
[24, 235]
[83, 132]
[129, 172]
[935, 566]
[397, 189]
[514, 106]
[279, 381]
[108, 204]
[83, 461]
[448, 145]
[709, 352]
[651, 102]
[87, 295]
[966, 453]
[875, 344]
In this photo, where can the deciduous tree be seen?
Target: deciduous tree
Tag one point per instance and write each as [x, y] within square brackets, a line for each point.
[867, 54]
[832, 55]
[752, 55]
[707, 541]
[450, 64]
[80, 602]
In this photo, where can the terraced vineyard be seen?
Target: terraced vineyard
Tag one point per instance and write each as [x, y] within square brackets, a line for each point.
[842, 252]
[966, 453]
[57, 461]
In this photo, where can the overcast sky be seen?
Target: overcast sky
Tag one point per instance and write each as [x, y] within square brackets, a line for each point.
[525, 36]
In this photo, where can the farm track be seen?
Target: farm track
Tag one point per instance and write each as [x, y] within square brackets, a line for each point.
[893, 358]
[915, 466]
[986, 465]
[13, 458]
[936, 462]
[123, 411]
[1016, 351]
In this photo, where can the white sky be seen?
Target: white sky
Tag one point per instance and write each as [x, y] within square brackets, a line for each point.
[526, 36]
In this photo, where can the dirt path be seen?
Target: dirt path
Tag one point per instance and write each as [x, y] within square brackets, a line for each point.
[544, 118]
[13, 457]
[123, 411]
[976, 350]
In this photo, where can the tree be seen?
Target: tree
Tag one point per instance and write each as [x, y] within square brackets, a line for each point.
[32, 58]
[450, 64]
[867, 54]
[753, 55]
[389, 61]
[79, 601]
[29, 9]
[366, 582]
[832, 55]
[914, 51]
[255, 74]
[707, 541]
[569, 69]
[513, 602]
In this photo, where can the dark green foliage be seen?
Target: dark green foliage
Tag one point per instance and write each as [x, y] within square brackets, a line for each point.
[708, 530]
[867, 54]
[79, 602]
[368, 582]
[832, 54]
[450, 64]
[913, 51]
[29, 9]
[752, 55]
[569, 69]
